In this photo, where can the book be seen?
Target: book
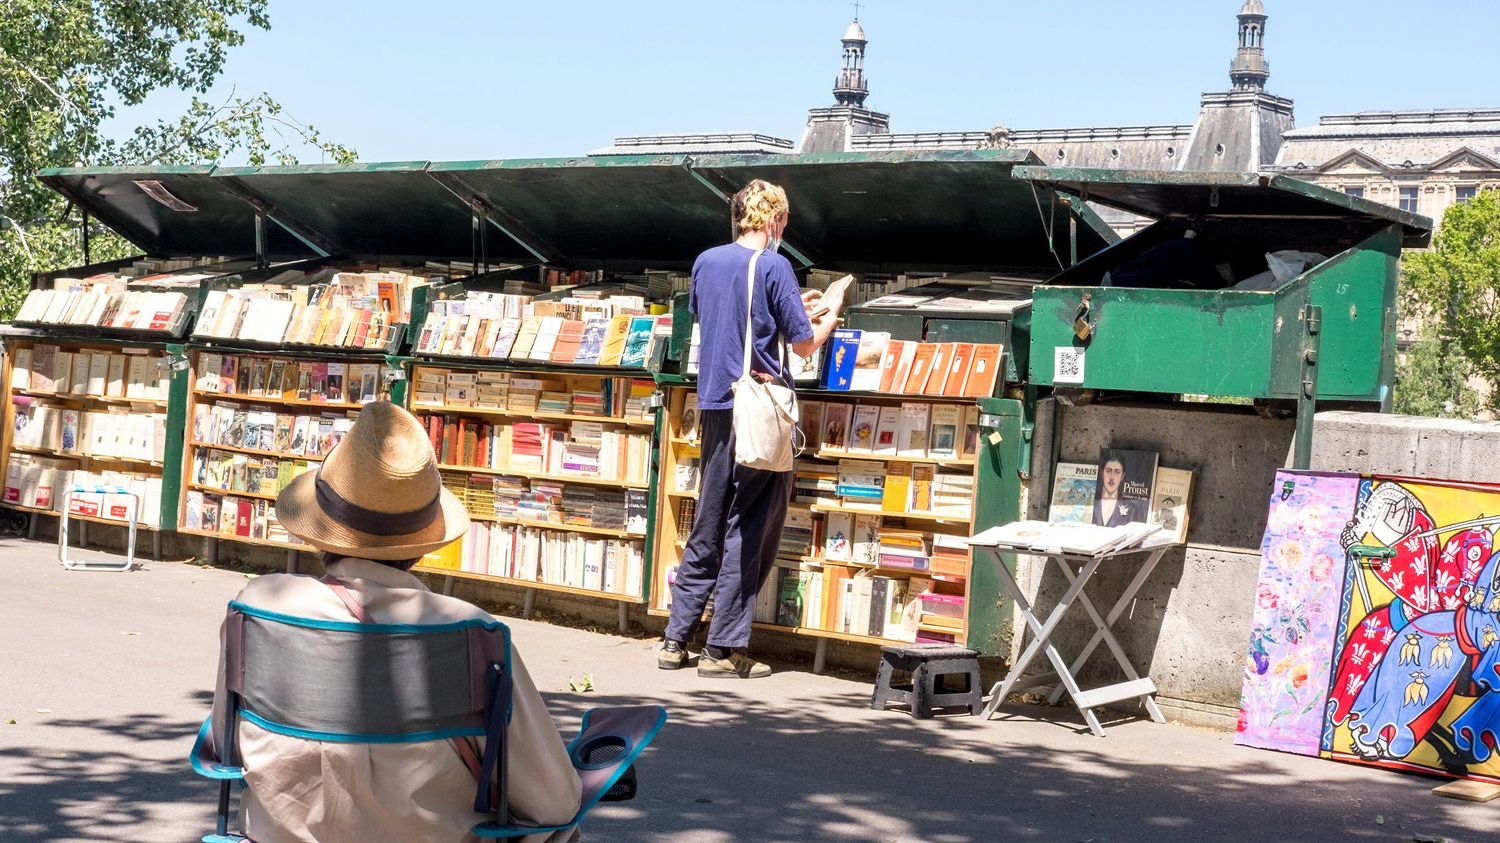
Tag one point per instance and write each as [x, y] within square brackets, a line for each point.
[867, 361]
[793, 591]
[921, 367]
[835, 436]
[942, 440]
[1171, 501]
[98, 375]
[1072, 492]
[958, 369]
[937, 374]
[862, 428]
[911, 437]
[887, 427]
[838, 536]
[546, 338]
[968, 443]
[1122, 493]
[985, 371]
[614, 341]
[525, 338]
[635, 352]
[894, 352]
[923, 476]
[843, 350]
[897, 492]
[591, 343]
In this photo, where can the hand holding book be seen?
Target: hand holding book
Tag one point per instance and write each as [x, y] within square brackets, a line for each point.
[821, 303]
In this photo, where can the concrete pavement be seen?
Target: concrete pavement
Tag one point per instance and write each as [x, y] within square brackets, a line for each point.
[107, 676]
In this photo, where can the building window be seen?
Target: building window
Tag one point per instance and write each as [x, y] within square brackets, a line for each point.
[1465, 192]
[1409, 199]
[1356, 192]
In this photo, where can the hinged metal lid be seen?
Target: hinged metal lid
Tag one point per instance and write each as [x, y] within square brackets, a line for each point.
[1188, 195]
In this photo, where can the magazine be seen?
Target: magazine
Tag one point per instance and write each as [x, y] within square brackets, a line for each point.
[1073, 493]
[1122, 493]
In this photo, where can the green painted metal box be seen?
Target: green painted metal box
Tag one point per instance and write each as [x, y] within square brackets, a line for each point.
[1189, 305]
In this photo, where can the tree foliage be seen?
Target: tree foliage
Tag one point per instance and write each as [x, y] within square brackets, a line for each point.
[1455, 287]
[1433, 380]
[66, 66]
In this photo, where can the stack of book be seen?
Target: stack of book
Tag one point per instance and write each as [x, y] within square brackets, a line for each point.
[910, 430]
[149, 295]
[115, 434]
[249, 376]
[603, 398]
[532, 554]
[49, 370]
[232, 516]
[354, 310]
[581, 329]
[1144, 491]
[240, 427]
[870, 361]
[582, 449]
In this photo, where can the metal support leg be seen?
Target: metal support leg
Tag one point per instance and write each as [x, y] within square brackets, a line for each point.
[83, 533]
[530, 605]
[1109, 639]
[211, 551]
[156, 545]
[448, 586]
[820, 656]
[624, 617]
[291, 560]
[1307, 394]
[32, 522]
[1043, 632]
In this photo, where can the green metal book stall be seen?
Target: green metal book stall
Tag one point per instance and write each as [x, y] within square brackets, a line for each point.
[1246, 285]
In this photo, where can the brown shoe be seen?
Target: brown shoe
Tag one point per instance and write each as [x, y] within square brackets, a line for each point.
[737, 666]
[671, 655]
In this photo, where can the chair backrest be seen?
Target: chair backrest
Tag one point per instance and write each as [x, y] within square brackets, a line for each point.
[361, 682]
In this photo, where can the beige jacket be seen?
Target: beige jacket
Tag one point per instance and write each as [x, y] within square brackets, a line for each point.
[302, 790]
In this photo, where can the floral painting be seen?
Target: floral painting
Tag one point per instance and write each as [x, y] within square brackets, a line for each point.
[1296, 614]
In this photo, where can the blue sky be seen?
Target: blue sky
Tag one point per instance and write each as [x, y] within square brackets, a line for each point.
[449, 79]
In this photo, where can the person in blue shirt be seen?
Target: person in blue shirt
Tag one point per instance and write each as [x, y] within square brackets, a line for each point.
[732, 548]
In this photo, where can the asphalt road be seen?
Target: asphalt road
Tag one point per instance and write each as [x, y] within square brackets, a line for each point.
[105, 677]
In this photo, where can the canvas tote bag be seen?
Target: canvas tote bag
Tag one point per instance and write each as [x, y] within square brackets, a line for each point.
[765, 414]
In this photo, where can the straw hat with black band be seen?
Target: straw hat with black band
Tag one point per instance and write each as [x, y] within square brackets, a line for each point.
[378, 494]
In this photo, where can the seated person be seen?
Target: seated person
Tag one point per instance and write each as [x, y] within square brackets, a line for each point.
[374, 508]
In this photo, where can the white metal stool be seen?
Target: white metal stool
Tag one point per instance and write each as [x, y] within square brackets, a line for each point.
[97, 564]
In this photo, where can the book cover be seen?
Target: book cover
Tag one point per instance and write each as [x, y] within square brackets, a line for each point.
[911, 438]
[505, 338]
[546, 338]
[921, 367]
[1171, 501]
[569, 340]
[837, 540]
[937, 374]
[897, 490]
[968, 443]
[793, 593]
[525, 337]
[887, 427]
[636, 342]
[614, 341]
[810, 424]
[20, 368]
[98, 376]
[894, 351]
[862, 428]
[835, 436]
[958, 369]
[78, 378]
[867, 361]
[985, 370]
[864, 548]
[591, 344]
[1122, 494]
[922, 477]
[942, 441]
[1073, 492]
[843, 351]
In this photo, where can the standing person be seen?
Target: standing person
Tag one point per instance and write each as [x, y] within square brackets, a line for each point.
[732, 547]
[374, 507]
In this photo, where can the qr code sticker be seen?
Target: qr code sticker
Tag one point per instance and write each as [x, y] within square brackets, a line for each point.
[1068, 367]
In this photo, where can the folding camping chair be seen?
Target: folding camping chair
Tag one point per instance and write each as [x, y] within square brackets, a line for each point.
[414, 683]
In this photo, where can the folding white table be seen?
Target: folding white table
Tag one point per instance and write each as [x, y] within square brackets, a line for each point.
[1078, 569]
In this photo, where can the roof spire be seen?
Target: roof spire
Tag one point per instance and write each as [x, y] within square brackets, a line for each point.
[850, 87]
[1250, 70]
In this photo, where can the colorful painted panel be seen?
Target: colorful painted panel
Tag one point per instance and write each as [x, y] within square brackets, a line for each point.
[1416, 681]
[1296, 612]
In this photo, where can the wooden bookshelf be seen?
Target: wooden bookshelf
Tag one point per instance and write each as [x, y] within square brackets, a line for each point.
[677, 447]
[279, 402]
[492, 382]
[152, 476]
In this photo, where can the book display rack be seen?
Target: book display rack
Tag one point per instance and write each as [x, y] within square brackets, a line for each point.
[554, 466]
[874, 547]
[92, 417]
[255, 421]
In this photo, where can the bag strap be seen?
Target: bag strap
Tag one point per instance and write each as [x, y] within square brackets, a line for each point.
[749, 309]
[465, 750]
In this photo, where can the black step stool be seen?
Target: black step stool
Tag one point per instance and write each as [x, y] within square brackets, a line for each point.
[928, 664]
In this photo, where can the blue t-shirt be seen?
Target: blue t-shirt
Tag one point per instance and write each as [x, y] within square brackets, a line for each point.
[718, 300]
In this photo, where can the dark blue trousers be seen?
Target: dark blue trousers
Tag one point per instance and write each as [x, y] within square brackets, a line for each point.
[732, 548]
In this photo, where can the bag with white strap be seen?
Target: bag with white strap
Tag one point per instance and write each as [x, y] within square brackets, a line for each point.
[765, 414]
